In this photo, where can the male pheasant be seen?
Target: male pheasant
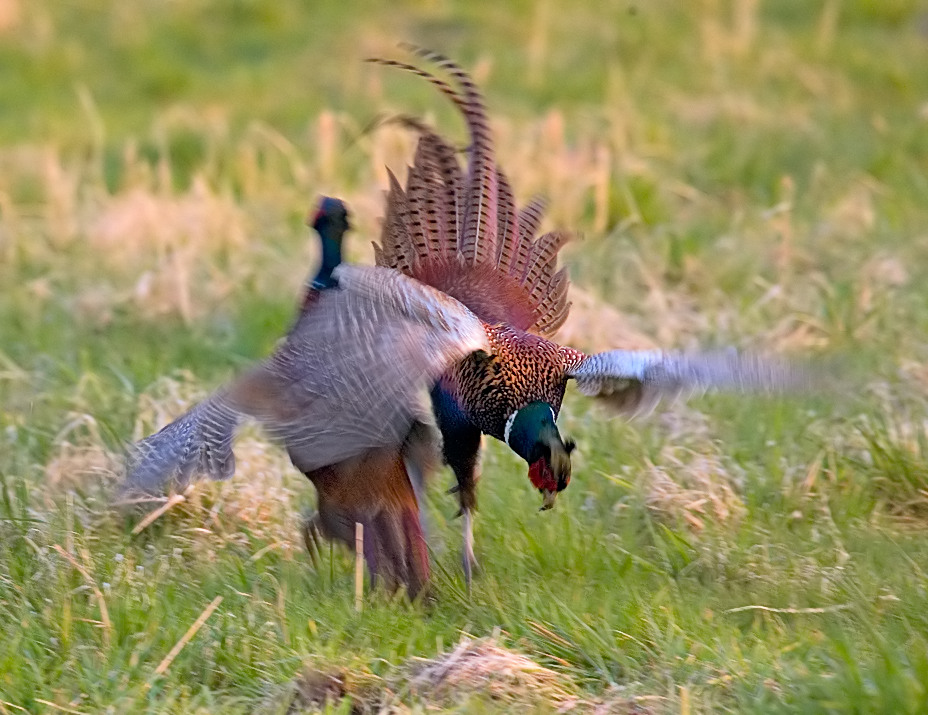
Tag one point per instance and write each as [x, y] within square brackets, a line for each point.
[345, 394]
[459, 230]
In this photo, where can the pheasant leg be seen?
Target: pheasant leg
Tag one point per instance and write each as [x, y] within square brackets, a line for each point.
[461, 452]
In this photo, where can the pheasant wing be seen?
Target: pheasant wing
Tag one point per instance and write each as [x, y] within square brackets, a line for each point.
[356, 371]
[634, 381]
[351, 376]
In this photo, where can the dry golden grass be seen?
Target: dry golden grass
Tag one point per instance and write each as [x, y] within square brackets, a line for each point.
[78, 466]
[175, 231]
[484, 666]
[474, 671]
[694, 487]
[264, 498]
[263, 501]
[159, 252]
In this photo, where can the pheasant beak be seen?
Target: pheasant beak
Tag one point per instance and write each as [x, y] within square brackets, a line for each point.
[551, 473]
[549, 498]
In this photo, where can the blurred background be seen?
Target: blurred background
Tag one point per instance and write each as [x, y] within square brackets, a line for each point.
[731, 142]
[746, 172]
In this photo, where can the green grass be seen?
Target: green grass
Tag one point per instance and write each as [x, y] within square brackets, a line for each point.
[749, 173]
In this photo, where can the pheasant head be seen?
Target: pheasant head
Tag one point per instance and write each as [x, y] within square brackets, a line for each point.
[532, 434]
[331, 223]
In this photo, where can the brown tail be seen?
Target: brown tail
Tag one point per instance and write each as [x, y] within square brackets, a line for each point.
[462, 233]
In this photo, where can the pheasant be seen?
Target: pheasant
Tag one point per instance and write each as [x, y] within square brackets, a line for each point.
[458, 230]
[345, 393]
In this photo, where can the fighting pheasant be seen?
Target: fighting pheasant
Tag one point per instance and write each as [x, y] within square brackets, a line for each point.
[458, 230]
[345, 394]
[463, 302]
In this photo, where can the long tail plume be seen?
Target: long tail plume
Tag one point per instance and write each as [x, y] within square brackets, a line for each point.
[446, 221]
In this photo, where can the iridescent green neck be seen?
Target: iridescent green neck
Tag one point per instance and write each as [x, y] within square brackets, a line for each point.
[529, 428]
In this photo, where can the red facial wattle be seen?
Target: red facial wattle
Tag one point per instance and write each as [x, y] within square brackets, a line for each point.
[541, 476]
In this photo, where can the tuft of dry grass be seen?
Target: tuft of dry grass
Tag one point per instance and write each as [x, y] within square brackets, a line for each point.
[174, 231]
[484, 666]
[477, 669]
[264, 498]
[694, 487]
[262, 502]
[77, 465]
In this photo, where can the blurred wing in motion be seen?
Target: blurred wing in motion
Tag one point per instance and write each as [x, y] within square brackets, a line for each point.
[634, 381]
[351, 376]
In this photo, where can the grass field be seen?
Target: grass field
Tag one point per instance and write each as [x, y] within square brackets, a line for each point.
[742, 172]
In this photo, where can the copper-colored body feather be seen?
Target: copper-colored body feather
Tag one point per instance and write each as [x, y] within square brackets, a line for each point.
[520, 368]
[375, 489]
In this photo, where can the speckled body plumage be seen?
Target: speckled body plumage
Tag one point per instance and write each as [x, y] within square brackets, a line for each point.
[521, 368]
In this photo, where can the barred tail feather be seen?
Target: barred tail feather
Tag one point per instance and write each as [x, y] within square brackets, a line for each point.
[417, 191]
[543, 257]
[447, 190]
[553, 308]
[440, 84]
[396, 241]
[455, 222]
[431, 208]
[508, 232]
[450, 176]
[480, 221]
[528, 221]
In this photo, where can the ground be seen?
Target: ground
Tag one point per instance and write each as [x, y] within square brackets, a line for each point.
[741, 172]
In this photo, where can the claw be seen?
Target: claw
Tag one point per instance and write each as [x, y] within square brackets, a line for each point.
[549, 497]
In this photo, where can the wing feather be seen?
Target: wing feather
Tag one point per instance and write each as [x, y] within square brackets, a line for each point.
[352, 376]
[634, 381]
